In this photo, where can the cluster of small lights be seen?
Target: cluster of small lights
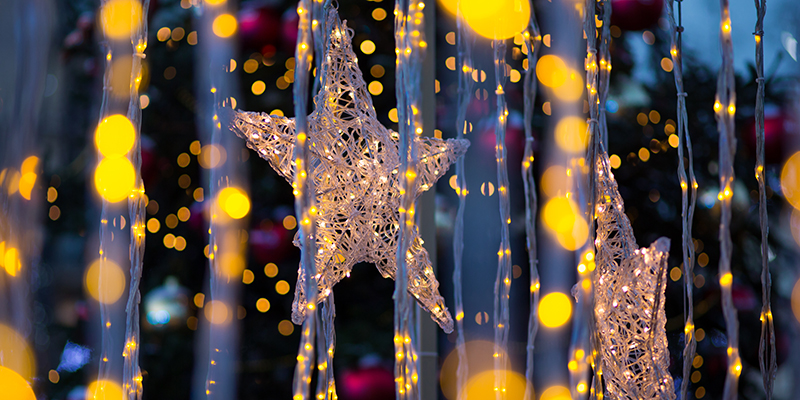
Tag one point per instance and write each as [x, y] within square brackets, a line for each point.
[630, 332]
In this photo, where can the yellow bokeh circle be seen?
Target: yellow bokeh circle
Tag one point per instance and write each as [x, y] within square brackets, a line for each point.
[496, 19]
[571, 134]
[105, 283]
[481, 386]
[480, 357]
[572, 89]
[234, 202]
[790, 180]
[114, 178]
[574, 238]
[103, 390]
[555, 309]
[560, 214]
[119, 18]
[115, 136]
[13, 386]
[16, 355]
[216, 312]
[556, 393]
[224, 25]
[552, 71]
[10, 259]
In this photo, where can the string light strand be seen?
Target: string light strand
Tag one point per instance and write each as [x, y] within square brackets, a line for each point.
[465, 40]
[687, 187]
[725, 109]
[767, 358]
[533, 40]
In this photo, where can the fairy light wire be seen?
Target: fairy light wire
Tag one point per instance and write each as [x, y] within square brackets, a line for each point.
[304, 201]
[767, 358]
[465, 40]
[132, 376]
[725, 109]
[582, 338]
[502, 284]
[410, 48]
[533, 40]
[687, 186]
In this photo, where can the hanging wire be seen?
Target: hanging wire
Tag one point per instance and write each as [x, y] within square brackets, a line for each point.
[304, 203]
[767, 359]
[410, 47]
[326, 333]
[533, 39]
[131, 375]
[725, 109]
[687, 201]
[502, 284]
[465, 40]
[583, 290]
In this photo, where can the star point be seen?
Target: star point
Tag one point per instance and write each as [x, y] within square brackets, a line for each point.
[354, 166]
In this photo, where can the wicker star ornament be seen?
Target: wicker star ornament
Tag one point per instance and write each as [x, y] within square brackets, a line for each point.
[354, 166]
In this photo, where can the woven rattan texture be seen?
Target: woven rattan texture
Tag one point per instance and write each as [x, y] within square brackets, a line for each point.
[629, 301]
[354, 165]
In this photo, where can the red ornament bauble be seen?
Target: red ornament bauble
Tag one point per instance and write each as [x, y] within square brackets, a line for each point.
[636, 15]
[775, 127]
[373, 383]
[258, 27]
[269, 242]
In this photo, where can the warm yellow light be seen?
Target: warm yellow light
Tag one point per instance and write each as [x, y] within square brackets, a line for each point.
[16, 356]
[559, 214]
[211, 156]
[575, 238]
[231, 264]
[555, 309]
[215, 2]
[248, 277]
[554, 181]
[375, 88]
[282, 287]
[644, 154]
[393, 115]
[367, 47]
[666, 64]
[289, 222]
[258, 87]
[224, 25]
[674, 141]
[285, 327]
[234, 202]
[572, 89]
[482, 385]
[498, 19]
[114, 178]
[11, 260]
[614, 161]
[105, 283]
[556, 393]
[14, 386]
[571, 135]
[103, 390]
[552, 71]
[115, 136]
[262, 305]
[726, 279]
[118, 18]
[271, 270]
[790, 180]
[26, 183]
[216, 312]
